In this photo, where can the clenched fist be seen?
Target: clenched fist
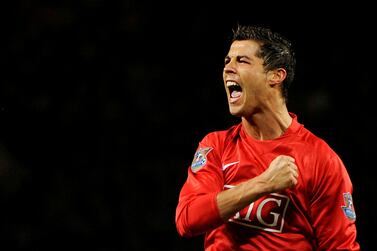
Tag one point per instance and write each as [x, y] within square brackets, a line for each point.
[281, 174]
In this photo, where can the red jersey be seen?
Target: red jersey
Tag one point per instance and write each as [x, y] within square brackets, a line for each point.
[316, 214]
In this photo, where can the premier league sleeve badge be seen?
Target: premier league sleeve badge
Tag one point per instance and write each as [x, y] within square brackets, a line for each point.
[200, 158]
[348, 208]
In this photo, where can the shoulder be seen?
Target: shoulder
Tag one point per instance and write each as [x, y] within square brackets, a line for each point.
[212, 146]
[313, 141]
[222, 136]
[309, 139]
[316, 151]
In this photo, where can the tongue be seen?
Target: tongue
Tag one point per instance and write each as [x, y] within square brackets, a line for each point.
[235, 94]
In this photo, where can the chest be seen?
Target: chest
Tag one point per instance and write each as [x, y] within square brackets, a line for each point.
[242, 162]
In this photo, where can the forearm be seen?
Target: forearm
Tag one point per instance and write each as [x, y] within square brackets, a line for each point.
[196, 216]
[230, 201]
[281, 174]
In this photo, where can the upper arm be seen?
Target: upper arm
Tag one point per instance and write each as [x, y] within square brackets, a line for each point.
[331, 207]
[197, 210]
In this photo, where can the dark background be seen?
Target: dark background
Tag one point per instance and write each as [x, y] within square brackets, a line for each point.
[102, 104]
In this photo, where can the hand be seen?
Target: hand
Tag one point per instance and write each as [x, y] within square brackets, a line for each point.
[281, 174]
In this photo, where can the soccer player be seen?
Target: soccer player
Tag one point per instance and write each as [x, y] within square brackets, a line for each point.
[266, 183]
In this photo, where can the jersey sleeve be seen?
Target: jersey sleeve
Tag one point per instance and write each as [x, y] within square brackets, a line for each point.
[332, 210]
[197, 210]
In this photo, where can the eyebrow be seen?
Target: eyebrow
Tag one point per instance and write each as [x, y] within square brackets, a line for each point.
[238, 57]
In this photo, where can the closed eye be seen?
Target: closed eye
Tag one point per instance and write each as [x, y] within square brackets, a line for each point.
[239, 59]
[243, 59]
[226, 60]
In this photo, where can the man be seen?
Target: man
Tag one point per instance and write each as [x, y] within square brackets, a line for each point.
[266, 183]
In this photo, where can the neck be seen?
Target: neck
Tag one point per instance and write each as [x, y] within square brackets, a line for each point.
[267, 125]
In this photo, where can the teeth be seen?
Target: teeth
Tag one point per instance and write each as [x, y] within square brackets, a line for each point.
[231, 83]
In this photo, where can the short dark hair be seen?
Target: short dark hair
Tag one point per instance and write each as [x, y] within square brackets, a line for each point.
[275, 50]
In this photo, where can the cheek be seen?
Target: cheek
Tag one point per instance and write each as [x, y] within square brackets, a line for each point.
[254, 82]
[253, 92]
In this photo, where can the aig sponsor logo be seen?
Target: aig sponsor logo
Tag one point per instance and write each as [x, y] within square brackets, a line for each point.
[266, 214]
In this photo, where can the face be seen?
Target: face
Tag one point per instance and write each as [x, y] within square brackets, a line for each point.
[245, 80]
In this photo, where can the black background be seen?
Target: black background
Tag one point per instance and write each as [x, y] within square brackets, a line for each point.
[102, 104]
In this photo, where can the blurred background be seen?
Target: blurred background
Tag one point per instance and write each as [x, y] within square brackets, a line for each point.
[103, 103]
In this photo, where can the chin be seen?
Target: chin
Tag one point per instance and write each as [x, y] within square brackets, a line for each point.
[235, 112]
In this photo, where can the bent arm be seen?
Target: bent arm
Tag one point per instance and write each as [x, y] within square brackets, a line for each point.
[281, 174]
[204, 206]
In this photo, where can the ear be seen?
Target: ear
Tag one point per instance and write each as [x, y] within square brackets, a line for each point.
[277, 76]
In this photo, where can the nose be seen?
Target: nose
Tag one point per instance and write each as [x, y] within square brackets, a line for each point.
[229, 67]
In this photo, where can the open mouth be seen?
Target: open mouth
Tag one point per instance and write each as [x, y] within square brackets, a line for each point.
[235, 91]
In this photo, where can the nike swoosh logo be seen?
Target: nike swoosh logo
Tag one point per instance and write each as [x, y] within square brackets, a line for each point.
[229, 164]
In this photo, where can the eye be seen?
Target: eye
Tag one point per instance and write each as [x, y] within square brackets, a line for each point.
[242, 60]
